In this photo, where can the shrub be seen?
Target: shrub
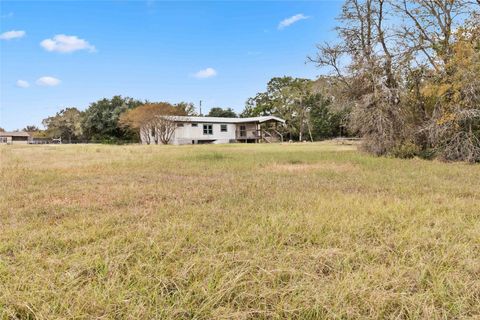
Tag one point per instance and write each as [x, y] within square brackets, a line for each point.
[406, 150]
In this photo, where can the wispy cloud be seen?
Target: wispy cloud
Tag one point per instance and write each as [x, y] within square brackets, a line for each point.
[48, 81]
[12, 34]
[205, 73]
[66, 44]
[22, 84]
[291, 20]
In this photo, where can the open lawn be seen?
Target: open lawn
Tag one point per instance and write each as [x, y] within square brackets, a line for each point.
[305, 231]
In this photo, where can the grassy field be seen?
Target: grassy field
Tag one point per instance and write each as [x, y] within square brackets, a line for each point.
[305, 231]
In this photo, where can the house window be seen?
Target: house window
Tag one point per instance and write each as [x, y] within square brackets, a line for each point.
[223, 128]
[179, 124]
[194, 124]
[207, 129]
[243, 131]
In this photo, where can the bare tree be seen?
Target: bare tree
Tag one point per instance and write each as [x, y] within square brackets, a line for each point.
[404, 78]
[164, 128]
[155, 122]
[371, 74]
[428, 28]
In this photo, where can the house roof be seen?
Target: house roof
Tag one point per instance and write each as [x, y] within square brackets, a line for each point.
[15, 134]
[228, 120]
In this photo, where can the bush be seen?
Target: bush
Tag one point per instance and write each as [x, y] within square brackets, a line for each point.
[406, 150]
[427, 154]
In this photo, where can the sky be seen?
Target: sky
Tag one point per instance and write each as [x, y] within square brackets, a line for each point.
[59, 54]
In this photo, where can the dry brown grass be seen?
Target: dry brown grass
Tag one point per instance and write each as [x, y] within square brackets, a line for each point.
[302, 231]
[309, 167]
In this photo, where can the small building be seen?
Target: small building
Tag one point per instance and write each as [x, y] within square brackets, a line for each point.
[200, 130]
[18, 137]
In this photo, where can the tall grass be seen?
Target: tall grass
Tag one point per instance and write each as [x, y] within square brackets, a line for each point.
[301, 231]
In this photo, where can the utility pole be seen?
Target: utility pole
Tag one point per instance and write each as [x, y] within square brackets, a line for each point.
[201, 108]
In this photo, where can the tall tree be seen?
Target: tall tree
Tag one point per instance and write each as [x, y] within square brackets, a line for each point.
[219, 112]
[389, 50]
[154, 122]
[370, 66]
[283, 98]
[65, 124]
[31, 128]
[101, 118]
[454, 128]
[325, 121]
[186, 108]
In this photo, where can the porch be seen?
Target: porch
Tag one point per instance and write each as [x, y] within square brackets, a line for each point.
[266, 132]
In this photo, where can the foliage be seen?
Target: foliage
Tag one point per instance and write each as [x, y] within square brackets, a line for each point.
[301, 104]
[219, 112]
[407, 150]
[186, 108]
[411, 82]
[454, 128]
[101, 119]
[325, 121]
[66, 124]
[154, 121]
[31, 128]
[276, 100]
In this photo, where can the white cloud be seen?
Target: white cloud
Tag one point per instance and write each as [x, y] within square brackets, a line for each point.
[205, 73]
[64, 44]
[291, 20]
[12, 34]
[22, 84]
[48, 81]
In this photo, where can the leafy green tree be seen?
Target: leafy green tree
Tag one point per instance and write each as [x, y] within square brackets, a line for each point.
[225, 113]
[66, 124]
[325, 121]
[277, 100]
[286, 98]
[185, 108]
[101, 118]
[31, 128]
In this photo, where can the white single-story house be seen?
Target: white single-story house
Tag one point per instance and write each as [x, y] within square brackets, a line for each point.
[19, 137]
[199, 130]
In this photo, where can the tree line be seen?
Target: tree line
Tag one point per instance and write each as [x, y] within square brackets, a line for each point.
[124, 119]
[404, 77]
[115, 120]
[307, 106]
[409, 70]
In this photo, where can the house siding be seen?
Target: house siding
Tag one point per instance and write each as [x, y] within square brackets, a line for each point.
[189, 130]
[189, 134]
[6, 138]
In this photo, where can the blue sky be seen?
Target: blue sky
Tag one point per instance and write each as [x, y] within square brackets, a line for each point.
[70, 53]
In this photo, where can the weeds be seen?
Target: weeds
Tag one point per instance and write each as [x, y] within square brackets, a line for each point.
[301, 231]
